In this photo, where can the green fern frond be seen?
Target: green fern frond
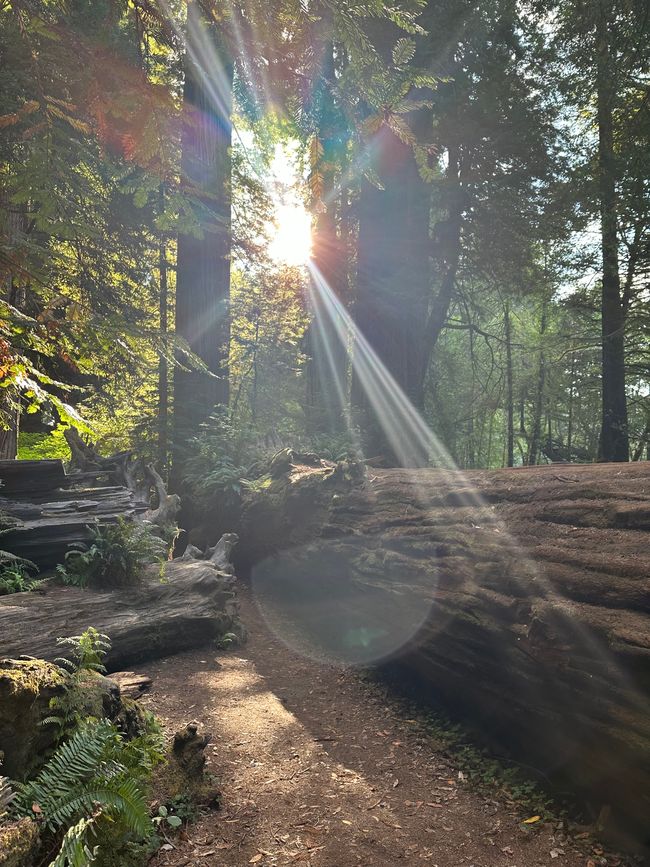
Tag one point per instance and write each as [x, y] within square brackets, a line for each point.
[95, 774]
[74, 764]
[75, 851]
[7, 795]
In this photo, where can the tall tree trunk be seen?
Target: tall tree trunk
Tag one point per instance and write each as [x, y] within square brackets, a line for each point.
[163, 367]
[510, 408]
[9, 434]
[326, 380]
[203, 270]
[393, 282]
[536, 429]
[569, 434]
[13, 235]
[614, 441]
[447, 235]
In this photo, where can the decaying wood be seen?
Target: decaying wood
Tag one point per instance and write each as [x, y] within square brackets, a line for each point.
[166, 512]
[47, 510]
[20, 477]
[132, 685]
[221, 554]
[43, 527]
[527, 592]
[193, 604]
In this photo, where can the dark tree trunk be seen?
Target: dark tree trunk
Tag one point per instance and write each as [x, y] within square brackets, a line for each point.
[393, 280]
[536, 429]
[326, 380]
[510, 408]
[9, 432]
[447, 250]
[614, 442]
[163, 367]
[203, 272]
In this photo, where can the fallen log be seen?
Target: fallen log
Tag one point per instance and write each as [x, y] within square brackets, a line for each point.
[517, 598]
[192, 604]
[42, 526]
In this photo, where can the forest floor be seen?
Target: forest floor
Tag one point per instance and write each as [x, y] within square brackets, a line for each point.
[318, 767]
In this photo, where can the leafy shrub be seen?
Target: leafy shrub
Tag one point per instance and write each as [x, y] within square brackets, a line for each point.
[15, 574]
[220, 459]
[114, 558]
[227, 640]
[341, 446]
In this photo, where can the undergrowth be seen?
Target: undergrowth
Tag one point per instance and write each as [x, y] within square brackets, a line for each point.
[92, 794]
[90, 800]
[16, 574]
[114, 558]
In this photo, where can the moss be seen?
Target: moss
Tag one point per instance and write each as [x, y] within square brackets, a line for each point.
[18, 841]
[183, 774]
[27, 687]
[30, 675]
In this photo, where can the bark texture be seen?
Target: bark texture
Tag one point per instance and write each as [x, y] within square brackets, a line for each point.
[193, 604]
[519, 598]
[203, 275]
[614, 437]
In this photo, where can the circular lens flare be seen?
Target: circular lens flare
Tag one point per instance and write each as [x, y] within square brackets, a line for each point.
[339, 602]
[291, 236]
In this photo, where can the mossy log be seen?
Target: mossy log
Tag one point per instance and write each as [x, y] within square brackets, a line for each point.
[519, 598]
[18, 842]
[191, 604]
[27, 687]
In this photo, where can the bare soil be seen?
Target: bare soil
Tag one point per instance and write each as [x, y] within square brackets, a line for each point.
[317, 767]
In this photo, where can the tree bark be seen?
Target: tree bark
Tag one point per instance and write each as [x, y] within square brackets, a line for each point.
[517, 598]
[393, 279]
[510, 407]
[193, 605]
[163, 366]
[327, 403]
[535, 443]
[203, 270]
[614, 438]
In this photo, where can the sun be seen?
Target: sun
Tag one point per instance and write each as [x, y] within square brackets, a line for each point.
[291, 238]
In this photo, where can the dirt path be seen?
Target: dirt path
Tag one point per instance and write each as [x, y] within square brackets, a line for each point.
[316, 769]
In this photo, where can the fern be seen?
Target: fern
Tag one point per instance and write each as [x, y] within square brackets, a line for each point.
[75, 851]
[95, 774]
[7, 795]
[114, 558]
[88, 651]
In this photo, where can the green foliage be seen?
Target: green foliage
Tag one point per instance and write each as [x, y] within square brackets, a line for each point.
[15, 574]
[217, 466]
[229, 639]
[114, 558]
[182, 806]
[88, 651]
[7, 795]
[164, 817]
[75, 851]
[340, 446]
[43, 446]
[81, 699]
[93, 781]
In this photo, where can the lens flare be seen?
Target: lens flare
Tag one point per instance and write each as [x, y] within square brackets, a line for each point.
[311, 598]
